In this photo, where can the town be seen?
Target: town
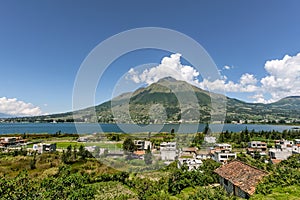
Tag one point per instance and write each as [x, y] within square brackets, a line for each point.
[240, 156]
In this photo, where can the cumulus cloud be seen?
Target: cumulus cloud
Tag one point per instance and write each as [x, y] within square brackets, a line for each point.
[282, 79]
[19, 108]
[170, 66]
[247, 83]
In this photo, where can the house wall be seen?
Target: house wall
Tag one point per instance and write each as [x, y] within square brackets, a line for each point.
[168, 155]
[231, 189]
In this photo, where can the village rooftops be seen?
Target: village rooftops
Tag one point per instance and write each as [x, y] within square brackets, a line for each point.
[241, 175]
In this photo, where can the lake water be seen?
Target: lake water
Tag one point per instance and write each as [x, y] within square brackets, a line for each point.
[129, 128]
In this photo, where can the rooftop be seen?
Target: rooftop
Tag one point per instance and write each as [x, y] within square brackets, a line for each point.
[242, 175]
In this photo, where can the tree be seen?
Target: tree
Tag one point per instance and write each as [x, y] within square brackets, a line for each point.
[198, 139]
[33, 162]
[128, 145]
[206, 130]
[75, 152]
[148, 157]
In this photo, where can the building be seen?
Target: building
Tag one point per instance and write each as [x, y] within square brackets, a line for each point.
[296, 149]
[11, 141]
[142, 145]
[280, 154]
[189, 152]
[222, 153]
[168, 151]
[239, 178]
[203, 154]
[257, 147]
[223, 146]
[223, 156]
[284, 145]
[42, 147]
[297, 141]
[191, 163]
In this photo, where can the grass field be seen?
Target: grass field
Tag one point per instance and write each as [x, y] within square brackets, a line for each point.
[279, 193]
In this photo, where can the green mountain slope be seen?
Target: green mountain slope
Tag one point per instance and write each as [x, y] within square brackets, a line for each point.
[170, 100]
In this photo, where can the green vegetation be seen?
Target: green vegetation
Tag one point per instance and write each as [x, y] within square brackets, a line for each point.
[74, 173]
[241, 139]
[175, 96]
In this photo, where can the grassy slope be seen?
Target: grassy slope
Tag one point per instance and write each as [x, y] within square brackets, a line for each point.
[279, 193]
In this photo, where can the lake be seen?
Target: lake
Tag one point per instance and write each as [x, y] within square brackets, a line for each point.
[129, 128]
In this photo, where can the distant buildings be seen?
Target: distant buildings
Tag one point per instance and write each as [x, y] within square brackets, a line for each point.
[42, 147]
[11, 141]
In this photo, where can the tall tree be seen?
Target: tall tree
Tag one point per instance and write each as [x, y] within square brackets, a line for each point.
[128, 145]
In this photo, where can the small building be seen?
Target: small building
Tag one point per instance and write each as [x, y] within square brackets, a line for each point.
[191, 163]
[239, 178]
[189, 152]
[280, 154]
[168, 151]
[223, 156]
[11, 141]
[42, 147]
[142, 144]
[222, 153]
[210, 139]
[257, 147]
[203, 154]
[223, 146]
[284, 144]
[296, 149]
[296, 141]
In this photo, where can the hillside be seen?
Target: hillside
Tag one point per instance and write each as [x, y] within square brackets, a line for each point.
[170, 100]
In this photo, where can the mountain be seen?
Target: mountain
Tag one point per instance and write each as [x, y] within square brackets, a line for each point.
[3, 115]
[171, 100]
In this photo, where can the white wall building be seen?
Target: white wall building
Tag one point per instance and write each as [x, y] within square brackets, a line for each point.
[191, 163]
[42, 147]
[168, 151]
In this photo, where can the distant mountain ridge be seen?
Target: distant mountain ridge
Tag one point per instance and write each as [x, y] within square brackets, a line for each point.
[170, 100]
[3, 115]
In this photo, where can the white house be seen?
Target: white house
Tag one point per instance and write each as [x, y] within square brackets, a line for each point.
[142, 144]
[257, 147]
[168, 151]
[279, 154]
[223, 146]
[296, 149]
[222, 153]
[42, 147]
[191, 163]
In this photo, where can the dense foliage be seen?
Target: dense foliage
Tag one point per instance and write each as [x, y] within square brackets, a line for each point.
[64, 185]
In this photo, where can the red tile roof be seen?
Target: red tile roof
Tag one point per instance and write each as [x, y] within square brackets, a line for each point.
[242, 175]
[139, 153]
[275, 161]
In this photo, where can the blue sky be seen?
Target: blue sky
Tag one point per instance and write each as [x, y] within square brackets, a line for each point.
[43, 43]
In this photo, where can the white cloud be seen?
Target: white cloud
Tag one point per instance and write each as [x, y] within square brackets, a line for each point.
[17, 107]
[170, 66]
[247, 83]
[248, 79]
[227, 67]
[283, 77]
